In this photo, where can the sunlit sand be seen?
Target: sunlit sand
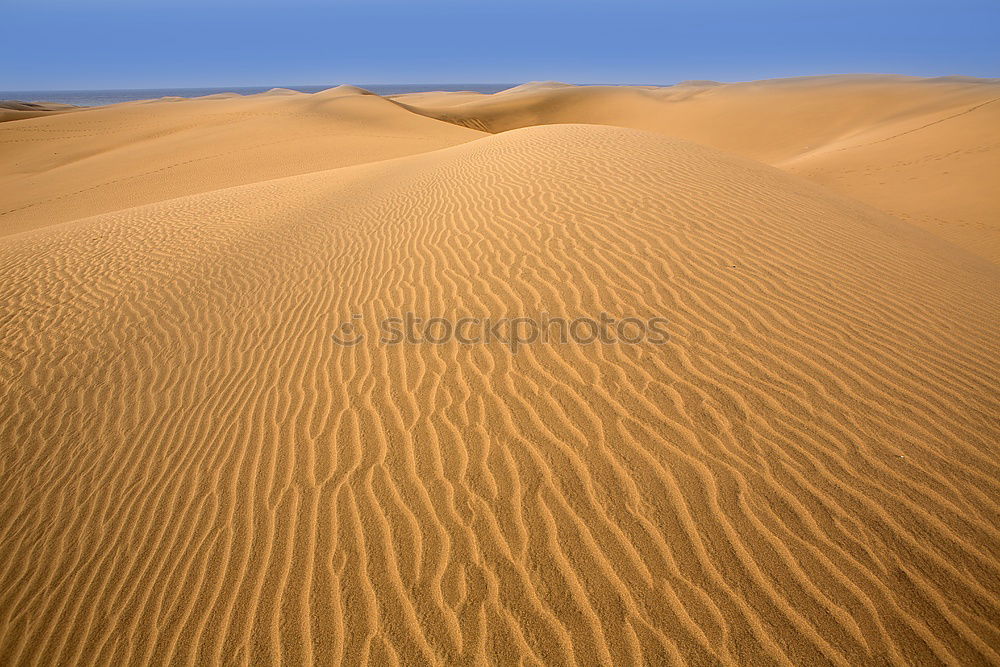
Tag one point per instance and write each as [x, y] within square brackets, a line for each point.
[193, 470]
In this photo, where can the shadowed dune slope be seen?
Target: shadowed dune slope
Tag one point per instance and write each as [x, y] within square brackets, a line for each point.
[925, 150]
[116, 157]
[18, 110]
[806, 473]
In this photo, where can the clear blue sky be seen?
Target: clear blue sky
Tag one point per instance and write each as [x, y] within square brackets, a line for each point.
[66, 44]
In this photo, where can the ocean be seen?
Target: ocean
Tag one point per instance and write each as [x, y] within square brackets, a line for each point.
[91, 98]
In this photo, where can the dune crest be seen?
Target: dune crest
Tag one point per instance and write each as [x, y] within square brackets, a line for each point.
[120, 156]
[535, 87]
[18, 110]
[920, 149]
[341, 90]
[277, 92]
[916, 148]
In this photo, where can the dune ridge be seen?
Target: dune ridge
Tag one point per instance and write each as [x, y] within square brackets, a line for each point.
[805, 474]
[920, 149]
[113, 158]
[18, 110]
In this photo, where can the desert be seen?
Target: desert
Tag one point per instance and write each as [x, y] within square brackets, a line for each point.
[209, 456]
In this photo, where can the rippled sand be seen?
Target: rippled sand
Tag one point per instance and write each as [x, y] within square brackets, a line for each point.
[193, 471]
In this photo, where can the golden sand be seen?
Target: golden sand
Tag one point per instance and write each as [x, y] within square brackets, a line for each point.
[193, 471]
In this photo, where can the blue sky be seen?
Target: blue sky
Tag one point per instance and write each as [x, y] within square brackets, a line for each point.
[86, 44]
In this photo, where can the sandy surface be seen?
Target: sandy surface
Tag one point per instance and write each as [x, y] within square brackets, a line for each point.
[18, 110]
[924, 150]
[193, 471]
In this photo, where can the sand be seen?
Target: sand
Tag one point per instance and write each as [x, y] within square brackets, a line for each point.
[193, 471]
[924, 150]
[115, 157]
[18, 110]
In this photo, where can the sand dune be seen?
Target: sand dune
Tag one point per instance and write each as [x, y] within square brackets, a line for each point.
[923, 149]
[18, 110]
[116, 157]
[920, 149]
[193, 471]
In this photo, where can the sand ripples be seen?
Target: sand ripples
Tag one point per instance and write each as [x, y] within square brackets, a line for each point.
[193, 471]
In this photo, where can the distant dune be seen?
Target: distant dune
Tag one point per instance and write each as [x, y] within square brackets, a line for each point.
[922, 149]
[806, 472]
[919, 149]
[18, 110]
[124, 155]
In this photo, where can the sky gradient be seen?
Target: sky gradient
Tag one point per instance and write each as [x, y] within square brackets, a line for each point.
[90, 44]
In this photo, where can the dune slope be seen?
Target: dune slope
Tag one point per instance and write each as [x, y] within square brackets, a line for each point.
[111, 158]
[18, 110]
[924, 150]
[806, 473]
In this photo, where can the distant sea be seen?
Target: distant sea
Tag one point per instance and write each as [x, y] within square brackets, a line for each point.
[92, 98]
